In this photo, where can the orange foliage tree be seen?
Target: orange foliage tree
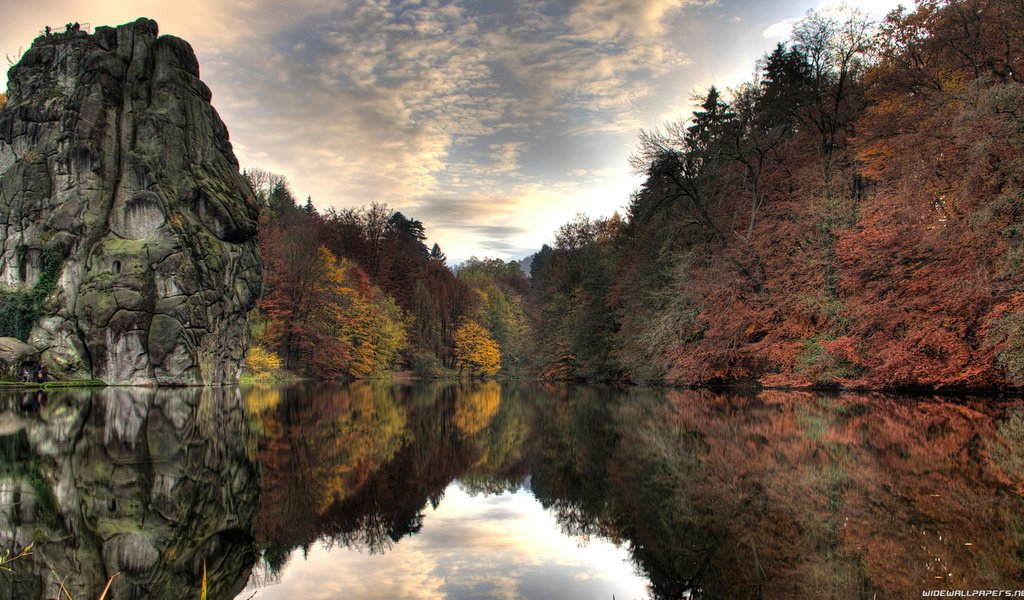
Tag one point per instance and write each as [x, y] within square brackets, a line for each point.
[330, 321]
[851, 218]
[931, 270]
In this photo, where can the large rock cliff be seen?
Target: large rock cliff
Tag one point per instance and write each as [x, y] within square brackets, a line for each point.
[127, 250]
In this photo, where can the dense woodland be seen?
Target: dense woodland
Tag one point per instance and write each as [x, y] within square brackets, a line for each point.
[357, 293]
[850, 218]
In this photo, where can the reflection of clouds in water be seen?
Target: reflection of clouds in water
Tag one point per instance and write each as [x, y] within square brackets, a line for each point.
[504, 546]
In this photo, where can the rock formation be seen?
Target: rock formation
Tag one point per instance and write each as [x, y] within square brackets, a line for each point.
[127, 250]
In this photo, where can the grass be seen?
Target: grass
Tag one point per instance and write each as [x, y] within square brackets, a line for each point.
[6, 559]
[110, 582]
[52, 385]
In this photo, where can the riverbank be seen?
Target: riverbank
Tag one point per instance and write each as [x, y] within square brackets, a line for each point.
[51, 385]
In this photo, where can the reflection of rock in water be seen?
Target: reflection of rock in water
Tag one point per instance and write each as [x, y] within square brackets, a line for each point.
[143, 482]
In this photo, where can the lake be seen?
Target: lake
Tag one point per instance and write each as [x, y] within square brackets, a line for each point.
[501, 490]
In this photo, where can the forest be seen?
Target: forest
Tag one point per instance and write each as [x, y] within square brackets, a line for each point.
[849, 218]
[357, 293]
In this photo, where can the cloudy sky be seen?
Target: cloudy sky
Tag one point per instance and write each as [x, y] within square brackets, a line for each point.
[492, 121]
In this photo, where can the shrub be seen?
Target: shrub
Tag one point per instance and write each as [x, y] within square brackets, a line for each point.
[262, 361]
[19, 310]
[426, 364]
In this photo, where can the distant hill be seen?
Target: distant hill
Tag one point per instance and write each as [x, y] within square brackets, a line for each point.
[526, 263]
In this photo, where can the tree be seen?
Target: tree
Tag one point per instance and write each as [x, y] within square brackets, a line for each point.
[385, 279]
[376, 220]
[932, 272]
[261, 361]
[440, 300]
[262, 182]
[280, 199]
[475, 350]
[3, 100]
[500, 289]
[437, 255]
[834, 49]
[786, 88]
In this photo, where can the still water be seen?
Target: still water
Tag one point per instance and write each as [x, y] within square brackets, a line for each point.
[490, 490]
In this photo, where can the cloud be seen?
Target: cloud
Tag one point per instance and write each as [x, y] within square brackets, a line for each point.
[456, 112]
[404, 101]
[503, 546]
[505, 156]
[507, 223]
[779, 30]
[604, 19]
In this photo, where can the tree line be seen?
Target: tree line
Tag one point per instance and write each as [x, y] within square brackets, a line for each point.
[357, 293]
[852, 217]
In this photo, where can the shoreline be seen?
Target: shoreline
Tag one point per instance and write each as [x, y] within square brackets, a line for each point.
[403, 378]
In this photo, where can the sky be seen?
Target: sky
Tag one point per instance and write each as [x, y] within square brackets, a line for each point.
[491, 121]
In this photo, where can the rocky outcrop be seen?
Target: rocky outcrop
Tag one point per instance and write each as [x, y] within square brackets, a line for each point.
[122, 210]
[13, 354]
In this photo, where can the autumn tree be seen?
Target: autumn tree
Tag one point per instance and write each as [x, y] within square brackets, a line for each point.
[842, 219]
[293, 281]
[372, 323]
[476, 353]
[940, 142]
[388, 279]
[261, 362]
[324, 316]
[440, 301]
[500, 289]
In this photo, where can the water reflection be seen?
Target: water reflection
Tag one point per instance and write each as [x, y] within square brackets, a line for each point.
[145, 483]
[791, 495]
[716, 495]
[776, 495]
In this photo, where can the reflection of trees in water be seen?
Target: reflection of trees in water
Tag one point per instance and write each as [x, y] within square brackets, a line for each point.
[319, 443]
[476, 406]
[141, 482]
[786, 495]
[365, 460]
[502, 448]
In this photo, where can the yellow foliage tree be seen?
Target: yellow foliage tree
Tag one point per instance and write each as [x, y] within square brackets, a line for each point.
[3, 100]
[369, 322]
[475, 350]
[335, 321]
[262, 361]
